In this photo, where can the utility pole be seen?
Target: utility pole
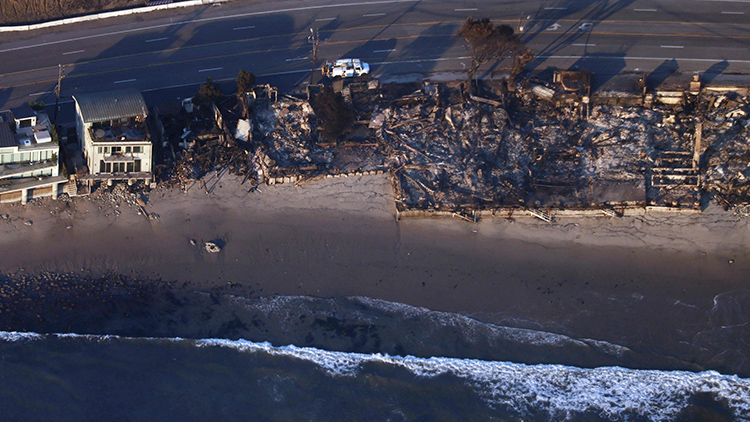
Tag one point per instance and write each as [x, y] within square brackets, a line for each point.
[60, 76]
[314, 39]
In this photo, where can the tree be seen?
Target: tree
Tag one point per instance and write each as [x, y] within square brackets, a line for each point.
[209, 92]
[245, 82]
[334, 114]
[36, 105]
[488, 42]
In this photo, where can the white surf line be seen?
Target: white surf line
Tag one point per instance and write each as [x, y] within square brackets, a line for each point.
[239, 15]
[644, 10]
[466, 10]
[369, 15]
[384, 51]
[73, 52]
[298, 58]
[585, 45]
[325, 19]
[732, 13]
[243, 27]
[124, 81]
[672, 46]
[157, 39]
[210, 70]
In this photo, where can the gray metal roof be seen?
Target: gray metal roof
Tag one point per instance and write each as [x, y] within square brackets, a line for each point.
[6, 136]
[102, 106]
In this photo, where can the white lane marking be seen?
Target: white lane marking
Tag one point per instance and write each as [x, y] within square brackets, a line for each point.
[124, 81]
[672, 46]
[73, 52]
[239, 15]
[325, 19]
[585, 45]
[243, 27]
[585, 26]
[644, 10]
[441, 59]
[645, 59]
[40, 93]
[732, 13]
[210, 70]
[465, 10]
[554, 27]
[291, 72]
[157, 39]
[555, 8]
[373, 14]
[384, 51]
[298, 58]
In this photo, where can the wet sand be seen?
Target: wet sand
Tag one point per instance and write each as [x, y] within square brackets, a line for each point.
[669, 284]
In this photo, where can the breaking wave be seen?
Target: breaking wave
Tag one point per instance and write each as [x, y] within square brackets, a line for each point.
[550, 391]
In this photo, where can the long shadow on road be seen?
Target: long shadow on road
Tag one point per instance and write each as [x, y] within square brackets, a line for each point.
[180, 57]
[545, 22]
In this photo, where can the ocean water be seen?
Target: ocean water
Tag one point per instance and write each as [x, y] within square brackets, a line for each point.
[116, 350]
[93, 377]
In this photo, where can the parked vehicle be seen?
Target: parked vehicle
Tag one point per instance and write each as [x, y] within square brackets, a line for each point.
[345, 68]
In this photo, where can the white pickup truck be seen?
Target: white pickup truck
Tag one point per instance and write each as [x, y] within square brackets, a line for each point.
[345, 68]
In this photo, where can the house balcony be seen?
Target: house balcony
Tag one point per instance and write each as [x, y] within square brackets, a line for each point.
[11, 170]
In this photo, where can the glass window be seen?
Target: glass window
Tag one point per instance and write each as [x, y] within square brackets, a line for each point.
[100, 150]
[130, 168]
[106, 150]
[116, 150]
[137, 149]
[127, 149]
[102, 166]
[137, 166]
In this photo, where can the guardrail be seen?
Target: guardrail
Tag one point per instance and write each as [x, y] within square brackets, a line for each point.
[106, 15]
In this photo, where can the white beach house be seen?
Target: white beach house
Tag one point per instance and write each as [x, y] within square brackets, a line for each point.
[114, 136]
[29, 166]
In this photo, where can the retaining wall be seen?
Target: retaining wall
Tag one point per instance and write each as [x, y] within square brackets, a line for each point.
[620, 210]
[474, 216]
[105, 15]
[296, 178]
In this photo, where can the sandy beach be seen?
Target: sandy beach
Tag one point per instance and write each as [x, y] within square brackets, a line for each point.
[673, 284]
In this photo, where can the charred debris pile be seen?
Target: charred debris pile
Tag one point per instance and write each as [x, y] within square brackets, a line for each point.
[543, 145]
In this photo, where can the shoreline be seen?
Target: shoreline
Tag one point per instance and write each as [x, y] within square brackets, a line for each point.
[649, 282]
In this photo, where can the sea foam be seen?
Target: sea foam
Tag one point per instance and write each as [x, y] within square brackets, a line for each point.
[12, 336]
[555, 390]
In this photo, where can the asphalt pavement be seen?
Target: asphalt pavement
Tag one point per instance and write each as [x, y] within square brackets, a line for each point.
[168, 54]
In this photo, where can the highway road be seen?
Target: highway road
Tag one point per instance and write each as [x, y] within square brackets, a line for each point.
[168, 54]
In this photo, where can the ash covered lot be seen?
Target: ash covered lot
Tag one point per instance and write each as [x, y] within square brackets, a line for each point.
[537, 145]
